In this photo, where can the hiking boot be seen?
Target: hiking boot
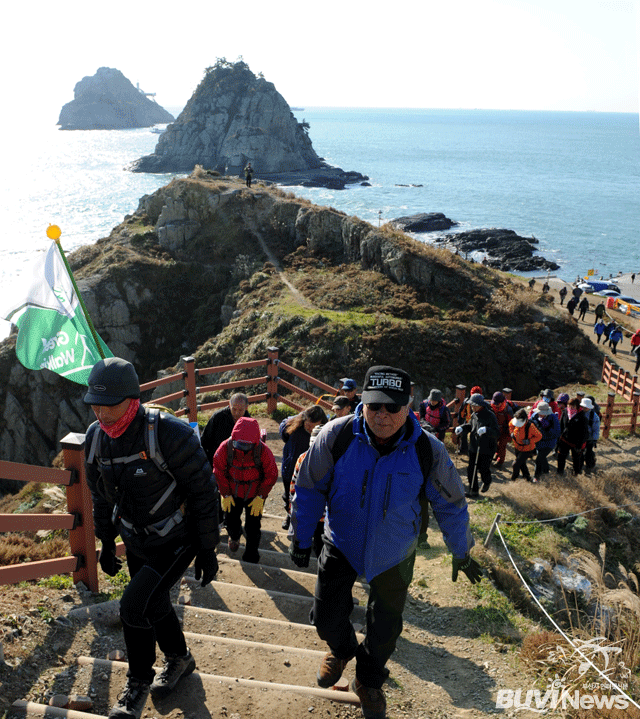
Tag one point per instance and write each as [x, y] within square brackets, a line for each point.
[252, 556]
[373, 703]
[331, 670]
[233, 545]
[175, 668]
[471, 495]
[286, 522]
[485, 486]
[132, 700]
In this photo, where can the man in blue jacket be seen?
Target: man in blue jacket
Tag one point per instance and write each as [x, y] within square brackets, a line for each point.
[375, 492]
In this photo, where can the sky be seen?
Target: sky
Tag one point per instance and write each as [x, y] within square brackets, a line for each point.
[493, 54]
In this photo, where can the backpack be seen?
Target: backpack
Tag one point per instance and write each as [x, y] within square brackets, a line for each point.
[425, 458]
[257, 458]
[151, 417]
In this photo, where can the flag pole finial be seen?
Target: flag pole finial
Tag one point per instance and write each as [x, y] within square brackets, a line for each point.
[54, 232]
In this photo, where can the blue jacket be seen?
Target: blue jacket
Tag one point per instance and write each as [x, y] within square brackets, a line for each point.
[593, 424]
[550, 428]
[373, 501]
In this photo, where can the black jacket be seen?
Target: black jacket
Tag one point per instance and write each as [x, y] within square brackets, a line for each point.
[137, 486]
[219, 428]
[488, 442]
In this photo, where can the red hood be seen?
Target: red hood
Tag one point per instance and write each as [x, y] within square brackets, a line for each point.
[246, 429]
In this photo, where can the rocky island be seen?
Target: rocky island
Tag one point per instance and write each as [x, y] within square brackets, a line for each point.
[108, 101]
[210, 268]
[235, 117]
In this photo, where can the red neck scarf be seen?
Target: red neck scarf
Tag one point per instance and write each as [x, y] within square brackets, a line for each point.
[120, 427]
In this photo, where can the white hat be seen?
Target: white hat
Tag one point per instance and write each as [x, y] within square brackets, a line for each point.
[586, 402]
[543, 409]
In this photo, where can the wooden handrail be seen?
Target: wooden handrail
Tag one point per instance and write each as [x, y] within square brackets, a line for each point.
[35, 522]
[33, 473]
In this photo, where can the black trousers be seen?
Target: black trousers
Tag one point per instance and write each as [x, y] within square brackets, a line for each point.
[333, 604]
[145, 608]
[520, 464]
[542, 464]
[252, 525]
[589, 454]
[577, 457]
[481, 471]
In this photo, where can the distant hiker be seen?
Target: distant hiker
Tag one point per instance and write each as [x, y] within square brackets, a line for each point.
[221, 423]
[532, 282]
[574, 435]
[563, 293]
[463, 416]
[341, 407]
[248, 174]
[593, 424]
[608, 329]
[614, 338]
[600, 310]
[546, 287]
[525, 436]
[387, 471]
[546, 420]
[246, 471]
[633, 278]
[295, 432]
[483, 438]
[504, 414]
[434, 412]
[159, 497]
[583, 307]
[599, 328]
[635, 348]
[547, 396]
[571, 305]
[349, 391]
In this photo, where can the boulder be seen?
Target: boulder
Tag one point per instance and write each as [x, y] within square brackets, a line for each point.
[108, 101]
[423, 222]
[505, 250]
[235, 117]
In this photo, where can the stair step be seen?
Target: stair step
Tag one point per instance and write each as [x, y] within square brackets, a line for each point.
[33, 709]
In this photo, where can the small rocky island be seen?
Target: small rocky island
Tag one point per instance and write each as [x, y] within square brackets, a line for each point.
[235, 117]
[108, 101]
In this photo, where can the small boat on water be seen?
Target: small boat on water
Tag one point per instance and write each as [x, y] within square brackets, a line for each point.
[158, 130]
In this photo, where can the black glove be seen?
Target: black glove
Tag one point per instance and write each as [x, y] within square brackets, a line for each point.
[469, 566]
[300, 557]
[206, 566]
[108, 561]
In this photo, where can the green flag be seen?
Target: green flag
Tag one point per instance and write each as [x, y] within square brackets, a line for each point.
[52, 329]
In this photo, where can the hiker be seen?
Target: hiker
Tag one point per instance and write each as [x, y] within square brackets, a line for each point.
[434, 412]
[135, 497]
[377, 471]
[246, 471]
[600, 310]
[599, 329]
[221, 423]
[547, 396]
[574, 435]
[635, 348]
[614, 338]
[504, 414]
[349, 391]
[546, 287]
[571, 305]
[463, 416]
[584, 308]
[525, 436]
[248, 174]
[547, 421]
[608, 329]
[295, 433]
[593, 416]
[532, 283]
[563, 293]
[483, 438]
[341, 407]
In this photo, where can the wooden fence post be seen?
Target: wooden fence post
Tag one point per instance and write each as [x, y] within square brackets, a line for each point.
[82, 538]
[608, 414]
[634, 411]
[190, 386]
[272, 379]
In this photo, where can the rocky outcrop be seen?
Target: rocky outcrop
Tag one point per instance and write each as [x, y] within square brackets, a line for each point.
[194, 272]
[505, 250]
[108, 101]
[424, 222]
[234, 118]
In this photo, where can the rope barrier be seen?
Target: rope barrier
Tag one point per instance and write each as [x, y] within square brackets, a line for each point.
[544, 611]
[568, 516]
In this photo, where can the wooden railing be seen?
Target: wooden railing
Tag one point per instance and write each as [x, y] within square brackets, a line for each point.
[621, 381]
[625, 384]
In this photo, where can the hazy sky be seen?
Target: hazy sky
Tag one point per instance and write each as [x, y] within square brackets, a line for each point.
[503, 54]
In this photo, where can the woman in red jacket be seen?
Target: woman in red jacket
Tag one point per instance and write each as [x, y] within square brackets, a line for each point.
[246, 471]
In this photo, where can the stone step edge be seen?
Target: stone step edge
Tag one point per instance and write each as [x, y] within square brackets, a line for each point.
[33, 708]
[330, 694]
[255, 645]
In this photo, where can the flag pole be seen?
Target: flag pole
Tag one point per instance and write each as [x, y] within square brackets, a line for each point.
[53, 233]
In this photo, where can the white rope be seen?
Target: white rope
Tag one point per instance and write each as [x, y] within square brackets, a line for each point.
[568, 516]
[544, 611]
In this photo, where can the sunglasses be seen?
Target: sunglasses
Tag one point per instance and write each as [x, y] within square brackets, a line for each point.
[391, 408]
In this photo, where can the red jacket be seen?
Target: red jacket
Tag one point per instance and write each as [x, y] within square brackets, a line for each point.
[243, 479]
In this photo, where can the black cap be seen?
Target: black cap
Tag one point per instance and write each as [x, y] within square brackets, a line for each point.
[111, 381]
[341, 402]
[386, 384]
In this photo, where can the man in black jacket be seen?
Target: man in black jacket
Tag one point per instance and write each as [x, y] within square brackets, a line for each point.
[221, 423]
[134, 497]
[483, 440]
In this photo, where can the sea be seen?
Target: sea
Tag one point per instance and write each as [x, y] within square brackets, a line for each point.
[569, 179]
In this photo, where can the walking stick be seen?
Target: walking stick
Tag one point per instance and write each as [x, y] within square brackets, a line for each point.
[475, 468]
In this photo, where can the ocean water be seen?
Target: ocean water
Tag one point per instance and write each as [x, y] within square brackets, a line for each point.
[572, 180]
